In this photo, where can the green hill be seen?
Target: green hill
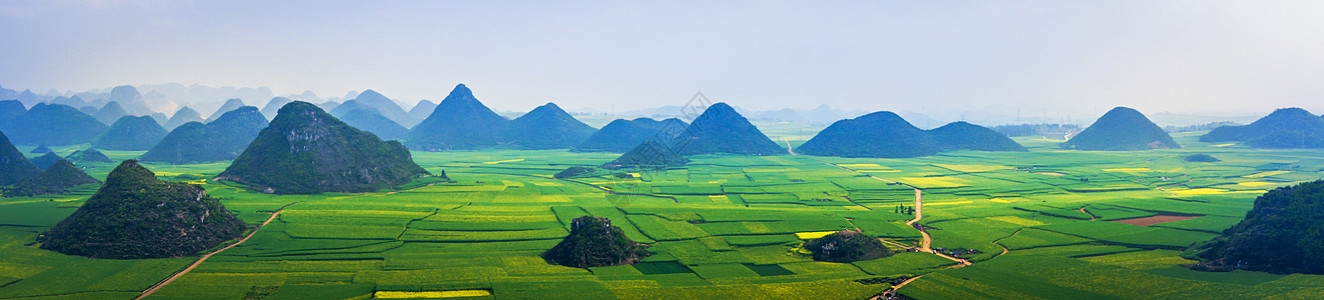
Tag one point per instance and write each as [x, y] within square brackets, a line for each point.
[88, 155]
[55, 180]
[650, 154]
[131, 134]
[880, 134]
[46, 160]
[53, 124]
[720, 129]
[547, 127]
[459, 122]
[41, 149]
[307, 151]
[181, 116]
[220, 140]
[594, 242]
[1121, 129]
[14, 167]
[622, 135]
[846, 246]
[1284, 128]
[966, 136]
[134, 215]
[1282, 233]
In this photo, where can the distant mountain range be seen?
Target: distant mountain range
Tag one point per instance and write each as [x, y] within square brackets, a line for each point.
[219, 140]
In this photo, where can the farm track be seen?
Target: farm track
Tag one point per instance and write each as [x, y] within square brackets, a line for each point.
[204, 257]
[1082, 210]
[925, 243]
[1004, 247]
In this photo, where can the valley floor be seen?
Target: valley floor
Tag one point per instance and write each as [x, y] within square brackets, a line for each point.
[1033, 225]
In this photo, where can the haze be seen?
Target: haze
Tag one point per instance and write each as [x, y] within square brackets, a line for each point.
[1050, 58]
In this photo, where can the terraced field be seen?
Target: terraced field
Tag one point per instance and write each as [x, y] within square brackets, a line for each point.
[724, 226]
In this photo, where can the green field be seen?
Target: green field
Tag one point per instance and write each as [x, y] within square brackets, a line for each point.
[722, 227]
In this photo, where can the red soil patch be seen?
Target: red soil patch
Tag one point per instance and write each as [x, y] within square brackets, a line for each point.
[1146, 221]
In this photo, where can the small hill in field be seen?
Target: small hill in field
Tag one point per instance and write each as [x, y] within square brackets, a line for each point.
[594, 242]
[131, 133]
[547, 127]
[650, 154]
[1284, 128]
[966, 136]
[622, 135]
[846, 246]
[14, 167]
[181, 116]
[41, 149]
[230, 105]
[134, 216]
[459, 122]
[1282, 233]
[220, 140]
[1200, 157]
[1121, 129]
[720, 129]
[307, 151]
[54, 180]
[53, 124]
[88, 155]
[45, 161]
[880, 135]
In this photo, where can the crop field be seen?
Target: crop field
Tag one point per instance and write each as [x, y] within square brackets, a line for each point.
[720, 227]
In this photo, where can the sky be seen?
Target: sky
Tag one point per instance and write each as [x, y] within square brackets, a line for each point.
[1042, 57]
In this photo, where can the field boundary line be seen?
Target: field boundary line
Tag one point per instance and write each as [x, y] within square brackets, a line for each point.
[204, 257]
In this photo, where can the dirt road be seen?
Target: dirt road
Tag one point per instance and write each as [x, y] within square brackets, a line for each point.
[204, 257]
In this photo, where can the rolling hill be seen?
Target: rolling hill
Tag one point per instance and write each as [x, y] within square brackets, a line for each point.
[622, 135]
[459, 122]
[1121, 129]
[131, 134]
[307, 151]
[720, 129]
[880, 134]
[134, 216]
[222, 139]
[14, 167]
[547, 127]
[1284, 128]
[53, 124]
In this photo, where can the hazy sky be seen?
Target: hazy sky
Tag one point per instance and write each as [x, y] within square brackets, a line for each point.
[1212, 57]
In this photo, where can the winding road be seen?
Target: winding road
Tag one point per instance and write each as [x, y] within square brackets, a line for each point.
[926, 241]
[204, 257]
